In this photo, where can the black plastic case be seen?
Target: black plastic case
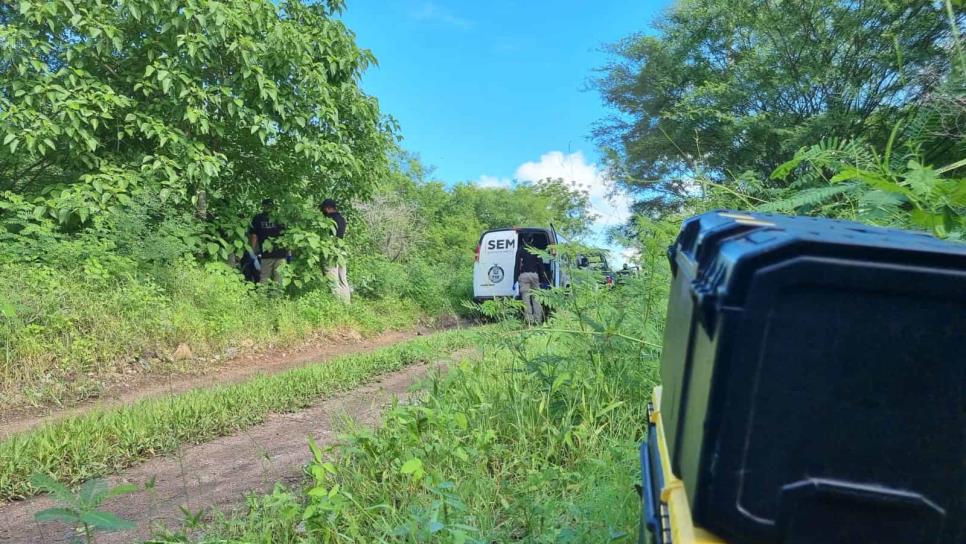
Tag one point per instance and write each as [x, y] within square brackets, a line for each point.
[814, 378]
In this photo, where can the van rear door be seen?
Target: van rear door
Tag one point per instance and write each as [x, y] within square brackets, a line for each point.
[495, 269]
[555, 263]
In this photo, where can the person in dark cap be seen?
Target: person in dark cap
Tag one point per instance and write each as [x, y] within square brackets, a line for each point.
[336, 270]
[264, 229]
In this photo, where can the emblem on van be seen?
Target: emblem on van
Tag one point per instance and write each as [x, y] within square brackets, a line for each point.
[495, 274]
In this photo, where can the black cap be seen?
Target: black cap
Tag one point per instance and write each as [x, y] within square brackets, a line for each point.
[268, 202]
[328, 203]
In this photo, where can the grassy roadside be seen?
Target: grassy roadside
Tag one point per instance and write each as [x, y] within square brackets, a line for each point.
[102, 442]
[67, 333]
[538, 443]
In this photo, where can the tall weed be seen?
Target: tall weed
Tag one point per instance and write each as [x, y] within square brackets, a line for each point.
[536, 442]
[69, 328]
[77, 448]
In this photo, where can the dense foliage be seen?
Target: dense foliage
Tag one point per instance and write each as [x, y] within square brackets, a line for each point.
[137, 139]
[419, 236]
[192, 109]
[138, 136]
[730, 90]
[119, 297]
[109, 439]
[533, 442]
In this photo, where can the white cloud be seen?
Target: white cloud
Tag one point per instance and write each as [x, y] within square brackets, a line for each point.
[629, 255]
[611, 205]
[430, 12]
[493, 182]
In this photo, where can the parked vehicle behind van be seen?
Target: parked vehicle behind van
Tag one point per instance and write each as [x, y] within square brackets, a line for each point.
[597, 262]
[495, 274]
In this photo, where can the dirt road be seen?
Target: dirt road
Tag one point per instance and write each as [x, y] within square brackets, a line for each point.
[231, 371]
[216, 475]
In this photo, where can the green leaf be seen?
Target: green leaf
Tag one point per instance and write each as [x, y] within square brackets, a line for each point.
[316, 450]
[122, 489]
[785, 169]
[106, 521]
[958, 195]
[318, 491]
[925, 219]
[92, 491]
[592, 323]
[807, 197]
[921, 179]
[414, 466]
[876, 197]
[63, 515]
[873, 180]
[7, 310]
[52, 486]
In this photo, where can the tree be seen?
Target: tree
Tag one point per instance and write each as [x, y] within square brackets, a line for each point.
[411, 213]
[394, 225]
[735, 87]
[211, 105]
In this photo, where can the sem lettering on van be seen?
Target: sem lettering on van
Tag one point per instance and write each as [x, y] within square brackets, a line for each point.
[501, 244]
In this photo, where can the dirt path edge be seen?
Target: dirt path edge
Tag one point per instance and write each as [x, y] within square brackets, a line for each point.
[217, 475]
[228, 372]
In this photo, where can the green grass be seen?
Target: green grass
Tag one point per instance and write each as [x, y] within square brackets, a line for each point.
[537, 442]
[104, 441]
[68, 330]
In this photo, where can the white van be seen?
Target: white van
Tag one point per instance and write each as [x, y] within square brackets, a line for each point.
[494, 274]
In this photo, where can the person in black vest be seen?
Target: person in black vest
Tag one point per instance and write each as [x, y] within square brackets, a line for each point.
[264, 228]
[336, 270]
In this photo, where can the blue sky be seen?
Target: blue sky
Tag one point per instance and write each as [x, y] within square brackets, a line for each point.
[495, 91]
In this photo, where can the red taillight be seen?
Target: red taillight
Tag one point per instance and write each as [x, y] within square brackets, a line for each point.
[476, 257]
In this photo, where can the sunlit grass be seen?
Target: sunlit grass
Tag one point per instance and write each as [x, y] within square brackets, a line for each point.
[536, 442]
[104, 441]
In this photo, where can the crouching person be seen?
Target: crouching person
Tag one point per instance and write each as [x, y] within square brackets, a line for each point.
[336, 271]
[265, 228]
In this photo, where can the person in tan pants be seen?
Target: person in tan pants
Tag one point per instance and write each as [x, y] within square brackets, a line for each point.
[531, 272]
[336, 271]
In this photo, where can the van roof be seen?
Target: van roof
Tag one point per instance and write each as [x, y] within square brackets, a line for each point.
[545, 230]
[519, 229]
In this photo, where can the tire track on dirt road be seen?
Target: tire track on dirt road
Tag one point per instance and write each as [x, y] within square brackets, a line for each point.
[227, 372]
[216, 475]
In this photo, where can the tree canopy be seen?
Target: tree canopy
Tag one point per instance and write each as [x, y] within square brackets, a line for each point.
[451, 220]
[207, 106]
[733, 88]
